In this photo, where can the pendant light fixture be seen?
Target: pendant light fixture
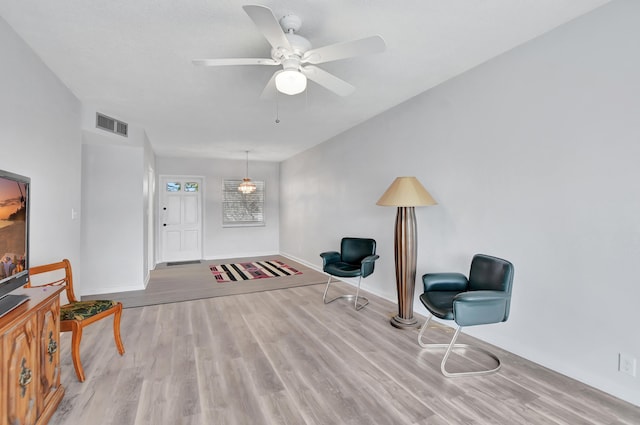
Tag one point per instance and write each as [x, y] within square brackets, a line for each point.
[247, 186]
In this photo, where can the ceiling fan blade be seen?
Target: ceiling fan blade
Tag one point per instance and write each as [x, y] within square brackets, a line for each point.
[267, 23]
[348, 49]
[328, 81]
[270, 90]
[235, 61]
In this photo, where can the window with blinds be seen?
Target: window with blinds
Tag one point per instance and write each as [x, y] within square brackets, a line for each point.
[239, 209]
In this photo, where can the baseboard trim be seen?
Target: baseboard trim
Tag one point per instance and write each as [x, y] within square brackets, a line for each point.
[241, 255]
[113, 289]
[301, 261]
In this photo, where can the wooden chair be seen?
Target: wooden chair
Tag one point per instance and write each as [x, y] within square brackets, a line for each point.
[75, 315]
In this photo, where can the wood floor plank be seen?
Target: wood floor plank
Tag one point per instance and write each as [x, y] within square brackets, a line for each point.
[284, 357]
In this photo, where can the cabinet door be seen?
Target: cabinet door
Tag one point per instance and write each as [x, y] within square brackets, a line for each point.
[20, 344]
[49, 328]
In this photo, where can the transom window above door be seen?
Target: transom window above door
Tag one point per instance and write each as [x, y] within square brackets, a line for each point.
[177, 186]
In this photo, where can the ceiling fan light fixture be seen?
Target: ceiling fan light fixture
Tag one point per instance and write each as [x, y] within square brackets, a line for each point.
[291, 82]
[296, 55]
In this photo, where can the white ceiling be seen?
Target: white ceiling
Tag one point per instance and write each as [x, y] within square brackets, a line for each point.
[131, 59]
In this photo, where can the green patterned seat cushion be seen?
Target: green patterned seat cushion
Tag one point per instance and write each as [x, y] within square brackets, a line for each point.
[84, 309]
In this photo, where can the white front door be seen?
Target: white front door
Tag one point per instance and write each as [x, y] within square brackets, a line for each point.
[180, 218]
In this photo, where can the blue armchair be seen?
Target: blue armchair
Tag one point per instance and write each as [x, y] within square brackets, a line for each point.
[356, 258]
[483, 298]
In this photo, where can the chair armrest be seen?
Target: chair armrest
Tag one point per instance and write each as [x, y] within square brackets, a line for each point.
[367, 263]
[479, 296]
[444, 282]
[329, 257]
[369, 259]
[480, 307]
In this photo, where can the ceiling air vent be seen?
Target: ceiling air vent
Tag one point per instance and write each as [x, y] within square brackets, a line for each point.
[112, 125]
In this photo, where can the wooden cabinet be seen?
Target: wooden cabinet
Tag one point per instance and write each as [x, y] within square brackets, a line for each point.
[30, 389]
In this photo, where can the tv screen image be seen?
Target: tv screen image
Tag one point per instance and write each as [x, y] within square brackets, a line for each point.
[14, 238]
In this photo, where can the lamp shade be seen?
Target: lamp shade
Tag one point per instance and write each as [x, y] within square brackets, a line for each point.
[406, 192]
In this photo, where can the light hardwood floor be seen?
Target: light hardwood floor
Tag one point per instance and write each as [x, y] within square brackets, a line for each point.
[283, 357]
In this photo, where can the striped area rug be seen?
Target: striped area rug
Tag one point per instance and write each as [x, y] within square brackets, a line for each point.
[248, 271]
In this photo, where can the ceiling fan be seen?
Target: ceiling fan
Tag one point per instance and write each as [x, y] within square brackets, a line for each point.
[296, 56]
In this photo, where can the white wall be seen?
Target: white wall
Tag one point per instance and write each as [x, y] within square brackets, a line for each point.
[532, 156]
[228, 242]
[40, 137]
[117, 190]
[149, 209]
[112, 227]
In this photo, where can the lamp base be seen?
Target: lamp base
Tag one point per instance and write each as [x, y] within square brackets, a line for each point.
[401, 323]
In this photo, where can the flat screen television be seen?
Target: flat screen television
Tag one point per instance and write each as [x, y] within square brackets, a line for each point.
[14, 238]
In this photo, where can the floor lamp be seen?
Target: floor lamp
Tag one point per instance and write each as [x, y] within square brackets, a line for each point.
[406, 193]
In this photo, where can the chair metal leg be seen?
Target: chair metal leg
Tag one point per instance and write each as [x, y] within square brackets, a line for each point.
[450, 347]
[355, 297]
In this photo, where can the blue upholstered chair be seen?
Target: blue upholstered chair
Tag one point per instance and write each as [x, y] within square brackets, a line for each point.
[481, 299]
[356, 258]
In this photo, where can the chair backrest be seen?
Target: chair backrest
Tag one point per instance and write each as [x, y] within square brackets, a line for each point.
[54, 274]
[491, 274]
[353, 250]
